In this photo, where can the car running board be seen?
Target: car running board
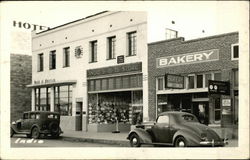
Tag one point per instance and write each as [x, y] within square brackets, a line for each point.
[164, 144]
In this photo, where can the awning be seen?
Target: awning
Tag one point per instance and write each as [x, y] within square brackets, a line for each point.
[58, 83]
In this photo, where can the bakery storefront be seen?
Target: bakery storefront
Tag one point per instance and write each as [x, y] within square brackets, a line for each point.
[197, 76]
[114, 97]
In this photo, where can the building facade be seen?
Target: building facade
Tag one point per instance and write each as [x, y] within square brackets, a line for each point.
[20, 76]
[91, 71]
[179, 72]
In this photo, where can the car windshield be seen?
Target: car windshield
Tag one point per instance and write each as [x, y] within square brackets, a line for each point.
[51, 116]
[189, 118]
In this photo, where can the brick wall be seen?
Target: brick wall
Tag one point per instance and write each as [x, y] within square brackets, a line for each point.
[179, 46]
[20, 76]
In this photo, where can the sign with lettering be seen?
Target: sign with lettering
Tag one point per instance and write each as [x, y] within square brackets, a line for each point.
[174, 81]
[226, 102]
[120, 59]
[218, 87]
[189, 58]
[44, 81]
[29, 26]
[132, 67]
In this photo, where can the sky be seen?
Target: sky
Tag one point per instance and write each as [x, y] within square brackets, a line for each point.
[190, 17]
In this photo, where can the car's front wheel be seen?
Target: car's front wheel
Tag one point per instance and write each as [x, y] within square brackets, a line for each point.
[134, 140]
[180, 142]
[35, 133]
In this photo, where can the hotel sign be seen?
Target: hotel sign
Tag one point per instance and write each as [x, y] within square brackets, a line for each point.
[174, 81]
[189, 58]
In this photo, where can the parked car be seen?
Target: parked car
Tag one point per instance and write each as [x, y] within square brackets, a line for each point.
[179, 129]
[35, 123]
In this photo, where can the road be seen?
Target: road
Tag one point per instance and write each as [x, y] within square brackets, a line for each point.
[23, 141]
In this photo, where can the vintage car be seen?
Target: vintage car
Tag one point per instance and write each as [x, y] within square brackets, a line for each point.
[36, 123]
[179, 129]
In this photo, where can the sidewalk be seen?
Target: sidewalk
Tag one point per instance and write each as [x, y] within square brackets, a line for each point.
[110, 138]
[97, 137]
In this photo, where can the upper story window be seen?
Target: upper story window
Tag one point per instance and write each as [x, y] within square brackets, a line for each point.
[93, 51]
[131, 43]
[66, 57]
[40, 62]
[160, 83]
[235, 51]
[199, 81]
[171, 33]
[52, 60]
[111, 47]
[191, 82]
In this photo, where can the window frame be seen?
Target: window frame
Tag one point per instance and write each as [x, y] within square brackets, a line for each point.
[111, 47]
[93, 51]
[131, 43]
[232, 51]
[40, 66]
[66, 57]
[157, 83]
[52, 55]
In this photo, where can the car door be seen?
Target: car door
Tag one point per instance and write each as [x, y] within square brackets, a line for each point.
[161, 129]
[25, 122]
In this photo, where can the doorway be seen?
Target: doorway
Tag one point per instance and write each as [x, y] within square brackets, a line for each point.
[201, 111]
[78, 116]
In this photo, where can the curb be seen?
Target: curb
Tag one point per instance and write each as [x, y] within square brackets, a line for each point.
[92, 140]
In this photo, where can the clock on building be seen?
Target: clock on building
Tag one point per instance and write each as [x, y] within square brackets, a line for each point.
[78, 52]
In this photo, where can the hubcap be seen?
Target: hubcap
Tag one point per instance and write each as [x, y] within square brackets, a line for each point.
[181, 144]
[134, 140]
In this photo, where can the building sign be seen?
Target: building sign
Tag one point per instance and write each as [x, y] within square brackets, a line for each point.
[189, 58]
[44, 81]
[218, 87]
[28, 26]
[133, 67]
[120, 59]
[226, 102]
[174, 81]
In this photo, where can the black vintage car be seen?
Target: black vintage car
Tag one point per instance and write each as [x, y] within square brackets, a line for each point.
[35, 123]
[179, 129]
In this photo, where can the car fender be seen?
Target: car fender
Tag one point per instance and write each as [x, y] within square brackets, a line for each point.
[192, 138]
[144, 136]
[14, 127]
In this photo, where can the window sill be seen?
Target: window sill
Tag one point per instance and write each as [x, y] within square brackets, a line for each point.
[66, 66]
[110, 59]
[52, 69]
[40, 71]
[93, 62]
[130, 55]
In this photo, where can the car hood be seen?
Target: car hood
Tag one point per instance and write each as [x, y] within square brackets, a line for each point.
[200, 129]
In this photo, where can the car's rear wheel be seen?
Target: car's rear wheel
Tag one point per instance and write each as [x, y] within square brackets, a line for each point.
[35, 133]
[180, 142]
[134, 140]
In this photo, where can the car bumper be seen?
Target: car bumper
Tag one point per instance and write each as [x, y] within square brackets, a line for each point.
[213, 143]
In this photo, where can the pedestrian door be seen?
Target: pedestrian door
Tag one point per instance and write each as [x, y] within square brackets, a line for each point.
[201, 111]
[78, 116]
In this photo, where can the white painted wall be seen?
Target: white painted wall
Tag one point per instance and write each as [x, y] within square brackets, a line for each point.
[80, 34]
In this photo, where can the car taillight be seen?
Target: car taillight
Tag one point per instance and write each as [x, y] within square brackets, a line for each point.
[203, 136]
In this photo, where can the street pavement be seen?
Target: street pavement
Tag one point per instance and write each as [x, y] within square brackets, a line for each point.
[23, 141]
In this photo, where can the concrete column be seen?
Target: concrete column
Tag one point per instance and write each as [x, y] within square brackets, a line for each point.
[52, 99]
[33, 99]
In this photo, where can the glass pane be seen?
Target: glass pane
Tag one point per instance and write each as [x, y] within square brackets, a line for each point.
[217, 115]
[236, 51]
[217, 76]
[111, 83]
[236, 78]
[125, 82]
[207, 77]
[118, 82]
[160, 83]
[133, 81]
[97, 84]
[199, 81]
[104, 84]
[191, 82]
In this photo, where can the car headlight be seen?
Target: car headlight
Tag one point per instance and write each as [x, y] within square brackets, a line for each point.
[13, 122]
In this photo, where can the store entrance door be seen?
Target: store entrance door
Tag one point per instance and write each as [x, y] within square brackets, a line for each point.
[201, 111]
[78, 116]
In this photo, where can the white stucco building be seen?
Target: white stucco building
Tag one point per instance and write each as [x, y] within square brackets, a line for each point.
[93, 70]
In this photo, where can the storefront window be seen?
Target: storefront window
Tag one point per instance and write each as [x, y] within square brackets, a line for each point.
[63, 100]
[190, 82]
[199, 81]
[42, 99]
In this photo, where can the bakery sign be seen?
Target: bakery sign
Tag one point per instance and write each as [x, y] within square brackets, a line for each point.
[189, 58]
